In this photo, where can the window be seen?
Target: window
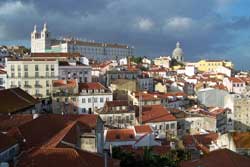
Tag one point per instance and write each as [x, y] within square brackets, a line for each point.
[19, 68]
[26, 74]
[19, 75]
[172, 126]
[19, 84]
[167, 126]
[36, 68]
[47, 83]
[52, 74]
[12, 68]
[47, 92]
[95, 100]
[52, 68]
[47, 67]
[101, 99]
[89, 100]
[26, 68]
[12, 74]
[83, 100]
[36, 74]
[47, 74]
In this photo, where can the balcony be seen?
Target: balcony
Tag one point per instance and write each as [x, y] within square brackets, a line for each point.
[27, 86]
[13, 86]
[39, 95]
[38, 86]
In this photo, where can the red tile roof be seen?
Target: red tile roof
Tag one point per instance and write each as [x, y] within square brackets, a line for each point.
[146, 96]
[201, 141]
[117, 103]
[8, 122]
[235, 80]
[219, 158]
[120, 135]
[143, 129]
[46, 128]
[241, 139]
[14, 100]
[156, 113]
[64, 83]
[91, 86]
[3, 72]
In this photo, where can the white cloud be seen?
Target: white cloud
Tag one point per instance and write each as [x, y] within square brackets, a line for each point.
[145, 24]
[179, 23]
[13, 8]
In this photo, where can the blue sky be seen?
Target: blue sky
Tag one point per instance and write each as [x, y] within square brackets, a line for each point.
[215, 29]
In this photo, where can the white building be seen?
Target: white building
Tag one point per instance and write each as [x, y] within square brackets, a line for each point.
[3, 79]
[42, 42]
[92, 97]
[236, 85]
[162, 61]
[123, 61]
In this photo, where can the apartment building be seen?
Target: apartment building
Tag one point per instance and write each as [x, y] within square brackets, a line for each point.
[92, 96]
[32, 75]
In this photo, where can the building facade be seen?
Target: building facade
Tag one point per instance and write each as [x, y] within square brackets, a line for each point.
[92, 96]
[42, 42]
[73, 70]
[32, 75]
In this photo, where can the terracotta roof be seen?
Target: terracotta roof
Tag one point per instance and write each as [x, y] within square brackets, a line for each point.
[220, 86]
[14, 100]
[90, 86]
[120, 135]
[52, 127]
[68, 55]
[6, 142]
[219, 158]
[3, 72]
[64, 83]
[143, 129]
[117, 103]
[201, 141]
[235, 80]
[8, 122]
[156, 113]
[146, 96]
[158, 150]
[241, 139]
[50, 157]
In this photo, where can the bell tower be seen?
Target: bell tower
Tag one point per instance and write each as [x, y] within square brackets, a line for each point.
[40, 42]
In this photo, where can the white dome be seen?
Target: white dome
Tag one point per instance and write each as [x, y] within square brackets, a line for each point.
[178, 52]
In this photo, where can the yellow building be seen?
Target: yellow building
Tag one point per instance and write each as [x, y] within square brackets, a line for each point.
[212, 65]
[160, 87]
[32, 75]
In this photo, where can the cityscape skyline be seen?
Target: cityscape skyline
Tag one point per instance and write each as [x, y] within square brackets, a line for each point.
[214, 30]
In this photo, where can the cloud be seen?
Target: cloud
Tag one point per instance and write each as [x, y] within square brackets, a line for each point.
[152, 27]
[179, 23]
[144, 24]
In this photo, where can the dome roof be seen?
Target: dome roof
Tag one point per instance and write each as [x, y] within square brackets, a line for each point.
[177, 52]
